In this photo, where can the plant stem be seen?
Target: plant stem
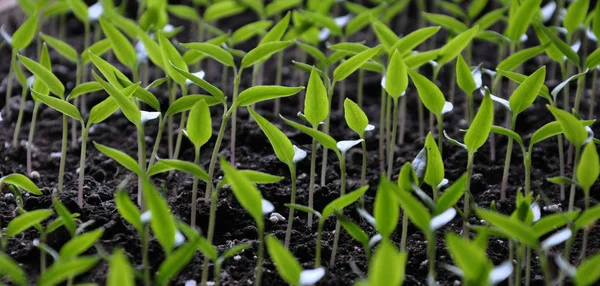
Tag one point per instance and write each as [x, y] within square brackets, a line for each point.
[84, 135]
[545, 268]
[381, 132]
[466, 206]
[161, 126]
[518, 269]
[184, 90]
[471, 108]
[142, 163]
[211, 231]
[440, 138]
[363, 173]
[195, 189]
[215, 153]
[431, 256]
[145, 262]
[13, 58]
[337, 224]
[402, 120]
[528, 267]
[318, 247]
[259, 261]
[507, 160]
[216, 274]
[527, 165]
[592, 102]
[288, 232]
[76, 103]
[326, 130]
[404, 231]
[311, 184]
[574, 178]
[580, 87]
[36, 107]
[236, 84]
[224, 76]
[361, 75]
[392, 141]
[586, 231]
[63, 152]
[15, 142]
[511, 258]
[172, 89]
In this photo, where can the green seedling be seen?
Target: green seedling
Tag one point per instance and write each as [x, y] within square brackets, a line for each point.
[395, 84]
[289, 268]
[357, 120]
[336, 205]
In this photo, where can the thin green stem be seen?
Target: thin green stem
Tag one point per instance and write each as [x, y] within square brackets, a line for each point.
[211, 232]
[527, 165]
[402, 120]
[195, 189]
[63, 152]
[586, 231]
[431, 256]
[288, 232]
[466, 206]
[574, 178]
[142, 163]
[382, 131]
[161, 126]
[392, 141]
[184, 90]
[528, 267]
[318, 247]
[84, 135]
[215, 153]
[580, 87]
[361, 76]
[236, 85]
[511, 258]
[440, 135]
[36, 107]
[326, 130]
[311, 183]
[172, 89]
[363, 173]
[145, 262]
[337, 224]
[404, 231]
[260, 255]
[505, 173]
[15, 142]
[592, 101]
[76, 103]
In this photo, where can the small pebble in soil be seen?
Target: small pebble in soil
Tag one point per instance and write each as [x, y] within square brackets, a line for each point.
[55, 155]
[237, 258]
[34, 175]
[190, 283]
[456, 282]
[276, 217]
[9, 195]
[553, 208]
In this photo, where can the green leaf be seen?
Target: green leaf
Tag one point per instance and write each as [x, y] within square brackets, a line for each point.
[469, 257]
[79, 244]
[170, 54]
[412, 40]
[44, 75]
[414, 209]
[575, 15]
[386, 209]
[303, 209]
[521, 19]
[213, 51]
[430, 94]
[552, 222]
[561, 180]
[593, 60]
[475, 8]
[313, 51]
[175, 262]
[246, 193]
[249, 31]
[65, 215]
[574, 130]
[213, 90]
[183, 166]
[278, 6]
[184, 12]
[223, 9]
[152, 48]
[519, 78]
[257, 177]
[363, 19]
[316, 103]
[508, 133]
[162, 220]
[231, 252]
[129, 109]
[187, 102]
[562, 46]
[287, 265]
[264, 92]
[282, 146]
[352, 64]
[10, 269]
[61, 106]
[451, 195]
[490, 19]
[447, 22]
[199, 124]
[202, 243]
[121, 158]
[518, 58]
[340, 203]
[277, 32]
[63, 270]
[455, 46]
[107, 107]
[514, 228]
[349, 48]
[464, 78]
[128, 210]
[120, 272]
[387, 266]
[434, 172]
[586, 272]
[386, 36]
[355, 118]
[453, 9]
[526, 93]
[545, 132]
[396, 76]
[22, 182]
[323, 21]
[596, 21]
[323, 138]
[589, 167]
[353, 229]
[481, 125]
[80, 9]
[98, 48]
[25, 221]
[588, 217]
[416, 60]
[44, 62]
[23, 36]
[121, 46]
[110, 72]
[61, 47]
[263, 52]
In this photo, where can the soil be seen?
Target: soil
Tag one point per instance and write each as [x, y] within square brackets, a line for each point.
[234, 225]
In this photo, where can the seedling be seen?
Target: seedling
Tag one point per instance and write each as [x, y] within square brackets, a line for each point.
[289, 268]
[357, 121]
[395, 85]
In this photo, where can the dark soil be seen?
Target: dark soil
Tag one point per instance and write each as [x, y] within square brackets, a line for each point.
[234, 225]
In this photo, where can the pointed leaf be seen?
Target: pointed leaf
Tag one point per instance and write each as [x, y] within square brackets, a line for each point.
[263, 52]
[281, 144]
[396, 77]
[430, 94]
[481, 125]
[63, 270]
[264, 92]
[352, 64]
[25, 221]
[22, 182]
[287, 265]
